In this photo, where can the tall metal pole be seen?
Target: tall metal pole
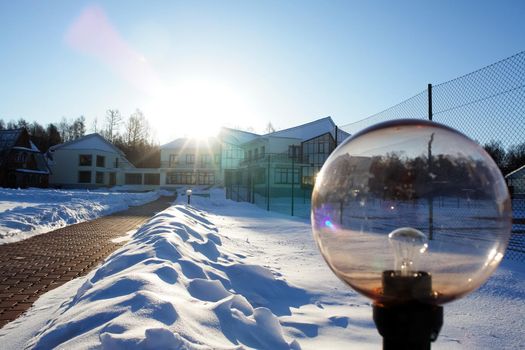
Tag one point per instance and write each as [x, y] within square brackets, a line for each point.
[293, 178]
[431, 197]
[430, 102]
[268, 186]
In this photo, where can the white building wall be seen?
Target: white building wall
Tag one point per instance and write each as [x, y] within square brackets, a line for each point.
[65, 167]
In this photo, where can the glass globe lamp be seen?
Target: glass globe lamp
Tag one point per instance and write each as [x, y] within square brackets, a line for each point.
[411, 212]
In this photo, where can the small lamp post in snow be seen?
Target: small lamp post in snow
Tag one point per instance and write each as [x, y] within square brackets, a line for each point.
[188, 194]
[387, 253]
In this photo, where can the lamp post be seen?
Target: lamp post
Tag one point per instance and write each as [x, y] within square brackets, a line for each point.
[390, 254]
[188, 194]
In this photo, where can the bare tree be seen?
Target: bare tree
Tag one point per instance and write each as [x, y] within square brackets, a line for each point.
[78, 127]
[269, 128]
[137, 129]
[64, 128]
[113, 121]
[94, 125]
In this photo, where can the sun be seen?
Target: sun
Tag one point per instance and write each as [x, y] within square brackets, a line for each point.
[197, 108]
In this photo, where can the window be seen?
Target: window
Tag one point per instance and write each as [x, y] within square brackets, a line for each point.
[99, 177]
[151, 179]
[205, 159]
[84, 177]
[262, 151]
[217, 158]
[293, 151]
[256, 156]
[284, 176]
[250, 155]
[206, 178]
[174, 159]
[101, 161]
[116, 162]
[133, 179]
[190, 158]
[84, 160]
[21, 157]
[180, 178]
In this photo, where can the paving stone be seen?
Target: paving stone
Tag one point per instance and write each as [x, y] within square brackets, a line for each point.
[18, 297]
[10, 315]
[36, 265]
[22, 306]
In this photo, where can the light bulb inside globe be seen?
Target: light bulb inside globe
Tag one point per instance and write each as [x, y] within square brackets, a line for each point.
[408, 245]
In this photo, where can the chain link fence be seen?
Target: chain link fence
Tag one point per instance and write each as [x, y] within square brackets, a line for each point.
[487, 105]
[276, 182]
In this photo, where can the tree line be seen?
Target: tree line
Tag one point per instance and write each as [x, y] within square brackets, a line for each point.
[132, 135]
[508, 159]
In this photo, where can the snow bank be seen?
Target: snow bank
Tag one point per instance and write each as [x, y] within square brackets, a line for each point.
[27, 212]
[175, 287]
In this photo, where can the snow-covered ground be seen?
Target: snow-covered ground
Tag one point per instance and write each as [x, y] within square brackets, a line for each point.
[227, 275]
[28, 212]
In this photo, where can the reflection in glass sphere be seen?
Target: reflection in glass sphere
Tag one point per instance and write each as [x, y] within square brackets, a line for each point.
[414, 199]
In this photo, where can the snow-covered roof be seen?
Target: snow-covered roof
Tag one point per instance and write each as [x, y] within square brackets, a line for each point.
[192, 143]
[8, 138]
[310, 130]
[92, 141]
[226, 135]
[236, 136]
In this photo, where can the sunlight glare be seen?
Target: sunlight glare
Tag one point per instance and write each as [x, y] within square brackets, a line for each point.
[197, 108]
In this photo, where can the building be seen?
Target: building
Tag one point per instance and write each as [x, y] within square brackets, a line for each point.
[207, 161]
[277, 162]
[89, 162]
[290, 156]
[21, 163]
[190, 162]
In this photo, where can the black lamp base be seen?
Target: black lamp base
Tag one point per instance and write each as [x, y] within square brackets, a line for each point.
[408, 326]
[407, 323]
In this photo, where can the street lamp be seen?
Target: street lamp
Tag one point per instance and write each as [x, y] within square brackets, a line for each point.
[380, 227]
[188, 194]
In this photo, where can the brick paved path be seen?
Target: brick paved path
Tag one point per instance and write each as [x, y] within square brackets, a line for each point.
[36, 265]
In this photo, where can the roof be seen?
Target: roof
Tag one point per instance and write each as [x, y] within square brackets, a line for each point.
[185, 142]
[226, 135]
[8, 138]
[310, 130]
[236, 136]
[87, 139]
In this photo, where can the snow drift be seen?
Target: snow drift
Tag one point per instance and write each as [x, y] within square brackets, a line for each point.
[176, 287]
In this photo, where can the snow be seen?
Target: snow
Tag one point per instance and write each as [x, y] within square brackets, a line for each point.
[225, 275]
[28, 212]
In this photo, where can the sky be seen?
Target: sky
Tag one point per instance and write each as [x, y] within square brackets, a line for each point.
[193, 66]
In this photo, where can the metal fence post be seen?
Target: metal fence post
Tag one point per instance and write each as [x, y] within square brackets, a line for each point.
[268, 186]
[430, 102]
[293, 178]
[430, 198]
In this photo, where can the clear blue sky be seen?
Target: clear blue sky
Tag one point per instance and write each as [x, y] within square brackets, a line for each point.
[194, 64]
